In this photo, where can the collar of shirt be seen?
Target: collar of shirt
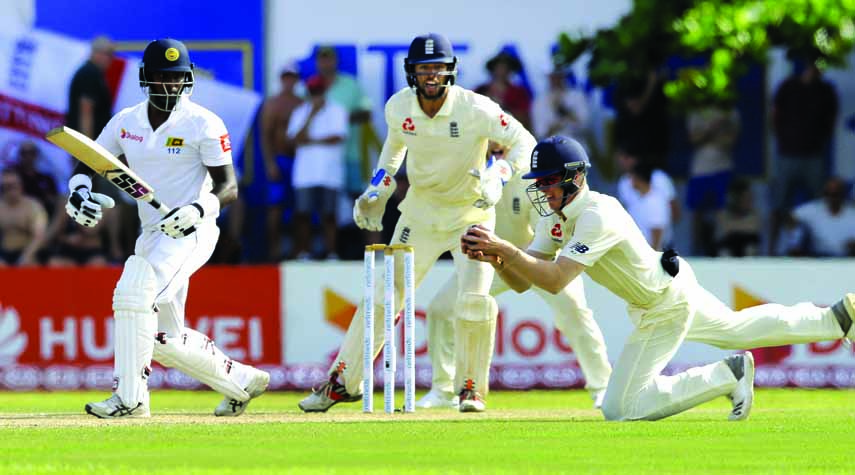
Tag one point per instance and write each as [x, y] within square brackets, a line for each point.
[573, 209]
[142, 113]
[446, 108]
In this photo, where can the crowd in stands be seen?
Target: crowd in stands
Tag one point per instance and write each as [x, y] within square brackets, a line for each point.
[318, 146]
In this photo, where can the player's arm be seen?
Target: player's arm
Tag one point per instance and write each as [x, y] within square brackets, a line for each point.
[519, 269]
[269, 141]
[225, 184]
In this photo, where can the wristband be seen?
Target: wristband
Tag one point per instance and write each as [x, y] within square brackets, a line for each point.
[209, 204]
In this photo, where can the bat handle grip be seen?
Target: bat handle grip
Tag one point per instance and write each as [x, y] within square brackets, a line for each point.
[160, 207]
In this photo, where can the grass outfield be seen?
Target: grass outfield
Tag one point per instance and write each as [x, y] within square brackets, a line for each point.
[790, 431]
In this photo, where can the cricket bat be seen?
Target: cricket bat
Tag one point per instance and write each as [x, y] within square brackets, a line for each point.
[105, 164]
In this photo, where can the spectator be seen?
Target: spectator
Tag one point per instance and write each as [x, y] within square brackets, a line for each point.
[713, 132]
[317, 129]
[652, 210]
[277, 153]
[37, 184]
[77, 245]
[659, 182]
[513, 98]
[738, 224]
[90, 102]
[345, 90]
[830, 221]
[561, 110]
[641, 122]
[804, 111]
[23, 221]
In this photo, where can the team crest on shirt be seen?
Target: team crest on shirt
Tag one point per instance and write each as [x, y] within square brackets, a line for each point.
[516, 205]
[174, 142]
[405, 234]
[408, 127]
[453, 130]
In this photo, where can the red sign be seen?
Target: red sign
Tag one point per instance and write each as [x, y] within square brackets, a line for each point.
[54, 319]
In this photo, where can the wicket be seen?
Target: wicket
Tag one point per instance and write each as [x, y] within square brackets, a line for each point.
[389, 314]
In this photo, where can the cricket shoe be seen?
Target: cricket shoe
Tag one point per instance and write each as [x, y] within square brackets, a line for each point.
[328, 395]
[471, 401]
[114, 408]
[436, 399]
[598, 395]
[742, 396]
[229, 407]
[845, 311]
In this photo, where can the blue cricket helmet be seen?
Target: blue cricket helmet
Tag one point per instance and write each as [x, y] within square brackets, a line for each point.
[430, 48]
[556, 161]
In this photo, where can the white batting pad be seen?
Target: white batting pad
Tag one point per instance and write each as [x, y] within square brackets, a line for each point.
[136, 324]
[474, 335]
[196, 355]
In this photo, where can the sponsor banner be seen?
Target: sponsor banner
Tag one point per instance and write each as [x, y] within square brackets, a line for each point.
[56, 325]
[320, 298]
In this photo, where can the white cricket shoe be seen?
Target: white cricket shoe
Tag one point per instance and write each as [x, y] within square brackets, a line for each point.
[436, 399]
[328, 395]
[229, 407]
[742, 396]
[114, 408]
[471, 401]
[598, 395]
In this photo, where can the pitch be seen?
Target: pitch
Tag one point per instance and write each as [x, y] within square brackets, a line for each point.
[790, 431]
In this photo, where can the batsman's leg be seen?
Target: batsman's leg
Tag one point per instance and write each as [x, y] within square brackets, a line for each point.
[196, 355]
[576, 322]
[440, 341]
[136, 324]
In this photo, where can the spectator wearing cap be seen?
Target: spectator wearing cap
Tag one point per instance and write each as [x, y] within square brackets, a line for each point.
[277, 153]
[345, 90]
[317, 129]
[512, 97]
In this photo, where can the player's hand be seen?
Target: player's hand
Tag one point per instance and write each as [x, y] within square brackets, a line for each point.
[478, 242]
[181, 221]
[369, 207]
[85, 207]
[492, 179]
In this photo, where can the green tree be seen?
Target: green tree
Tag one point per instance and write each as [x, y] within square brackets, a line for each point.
[728, 34]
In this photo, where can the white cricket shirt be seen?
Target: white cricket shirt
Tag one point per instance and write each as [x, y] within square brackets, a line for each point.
[659, 181]
[173, 158]
[600, 235]
[442, 150]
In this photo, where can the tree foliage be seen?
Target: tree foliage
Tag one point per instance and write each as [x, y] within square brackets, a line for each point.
[723, 36]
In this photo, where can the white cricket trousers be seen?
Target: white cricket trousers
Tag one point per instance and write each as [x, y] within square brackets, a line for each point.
[572, 316]
[637, 389]
[474, 278]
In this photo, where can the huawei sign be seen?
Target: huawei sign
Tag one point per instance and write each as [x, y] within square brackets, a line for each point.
[12, 341]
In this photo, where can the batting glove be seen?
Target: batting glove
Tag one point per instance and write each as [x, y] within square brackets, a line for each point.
[182, 221]
[492, 179]
[84, 206]
[369, 207]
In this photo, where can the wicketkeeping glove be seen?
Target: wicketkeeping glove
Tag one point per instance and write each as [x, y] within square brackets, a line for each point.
[84, 206]
[182, 221]
[369, 207]
[492, 179]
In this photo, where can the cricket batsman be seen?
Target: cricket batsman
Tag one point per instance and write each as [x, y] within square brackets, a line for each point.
[443, 130]
[183, 151]
[665, 302]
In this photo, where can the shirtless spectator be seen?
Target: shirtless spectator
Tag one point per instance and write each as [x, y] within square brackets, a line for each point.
[22, 222]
